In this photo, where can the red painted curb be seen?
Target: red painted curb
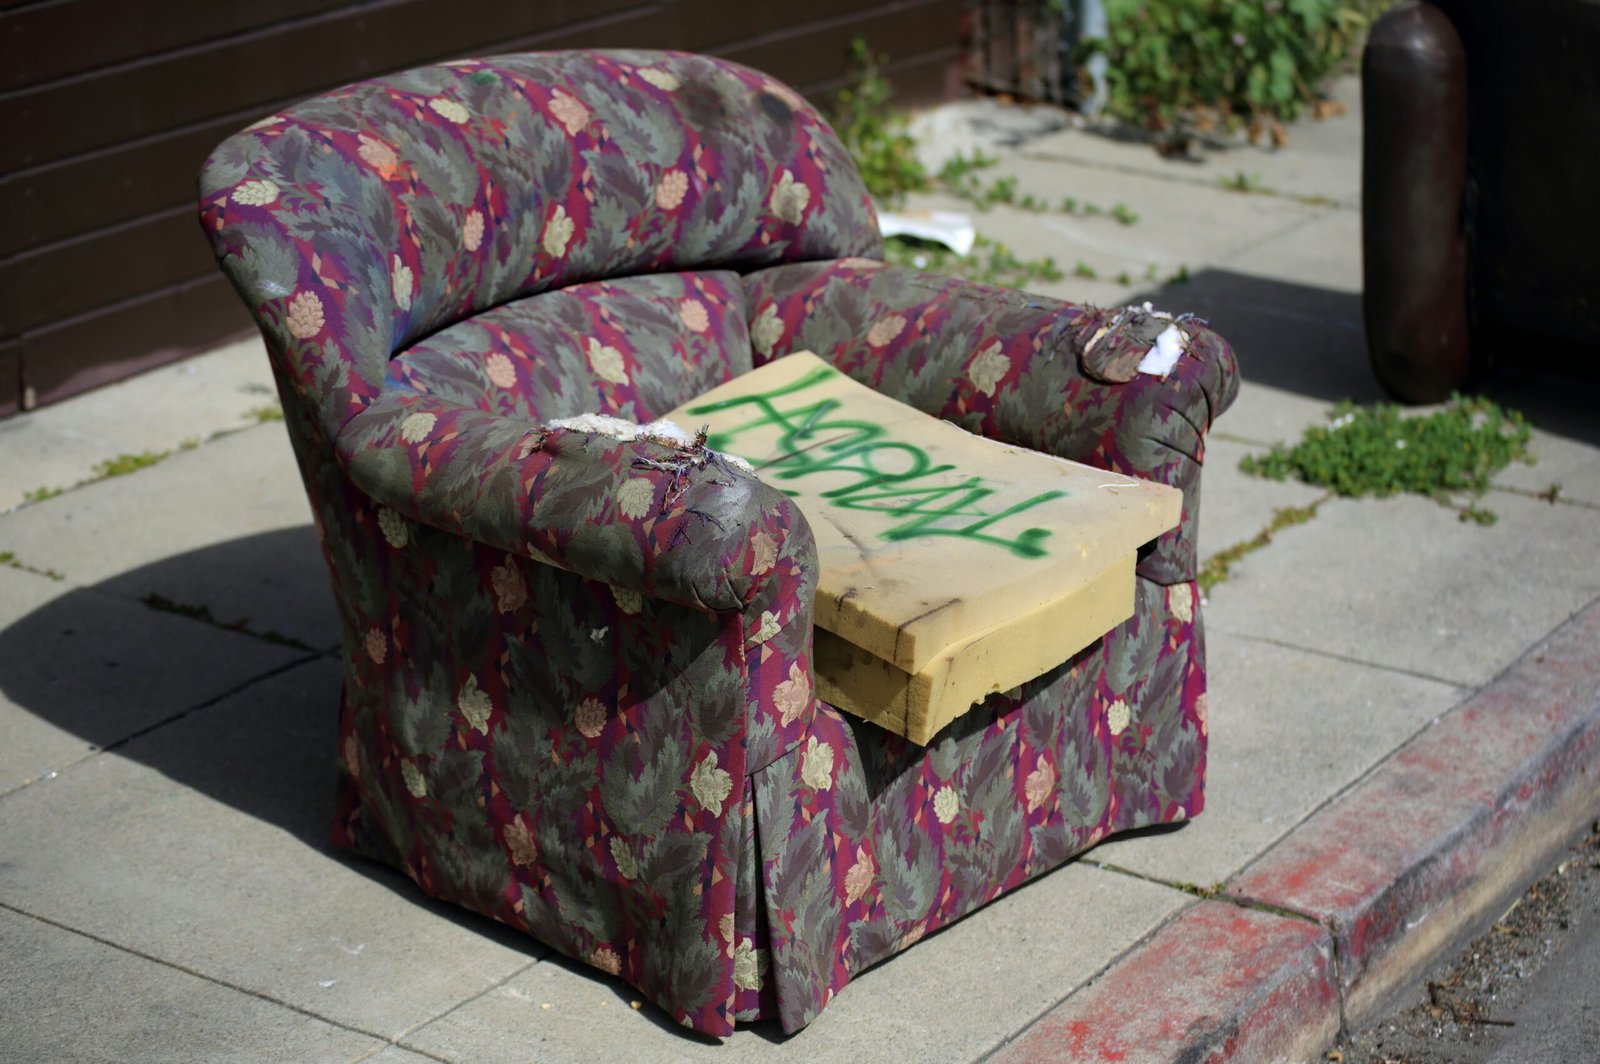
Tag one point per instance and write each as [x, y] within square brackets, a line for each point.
[1424, 849]
[1220, 982]
[1417, 855]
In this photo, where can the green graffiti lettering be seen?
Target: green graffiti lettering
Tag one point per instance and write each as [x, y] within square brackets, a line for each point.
[813, 442]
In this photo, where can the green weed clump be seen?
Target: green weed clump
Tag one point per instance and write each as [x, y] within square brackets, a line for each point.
[990, 262]
[123, 464]
[1237, 60]
[41, 493]
[1377, 450]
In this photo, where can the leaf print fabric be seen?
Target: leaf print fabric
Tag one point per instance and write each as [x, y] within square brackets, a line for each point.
[257, 193]
[711, 785]
[578, 692]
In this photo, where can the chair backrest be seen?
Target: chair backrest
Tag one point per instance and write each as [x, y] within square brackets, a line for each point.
[356, 222]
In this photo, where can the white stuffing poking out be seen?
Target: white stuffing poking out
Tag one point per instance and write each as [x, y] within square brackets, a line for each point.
[1163, 354]
[660, 431]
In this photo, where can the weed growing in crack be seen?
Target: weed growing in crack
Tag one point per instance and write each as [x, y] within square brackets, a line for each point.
[202, 613]
[1243, 182]
[990, 263]
[1219, 566]
[123, 464]
[11, 561]
[40, 494]
[1378, 450]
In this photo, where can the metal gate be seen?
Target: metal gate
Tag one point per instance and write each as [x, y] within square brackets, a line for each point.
[1023, 48]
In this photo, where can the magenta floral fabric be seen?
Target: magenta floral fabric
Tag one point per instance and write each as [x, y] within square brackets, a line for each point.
[577, 665]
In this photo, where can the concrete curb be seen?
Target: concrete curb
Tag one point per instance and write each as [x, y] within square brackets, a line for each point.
[1220, 982]
[1361, 897]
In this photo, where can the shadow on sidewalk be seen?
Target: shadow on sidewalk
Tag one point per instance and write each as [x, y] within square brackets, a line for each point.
[1292, 337]
[263, 742]
[1312, 341]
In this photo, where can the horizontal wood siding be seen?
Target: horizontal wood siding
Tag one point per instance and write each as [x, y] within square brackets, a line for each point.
[156, 328]
[108, 108]
[34, 34]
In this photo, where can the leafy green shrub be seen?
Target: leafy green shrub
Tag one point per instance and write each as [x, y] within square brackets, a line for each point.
[1242, 59]
[1377, 450]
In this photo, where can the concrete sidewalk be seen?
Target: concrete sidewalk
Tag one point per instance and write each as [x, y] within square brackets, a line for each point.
[1404, 717]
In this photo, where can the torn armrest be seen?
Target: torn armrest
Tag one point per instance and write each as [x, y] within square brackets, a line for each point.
[643, 511]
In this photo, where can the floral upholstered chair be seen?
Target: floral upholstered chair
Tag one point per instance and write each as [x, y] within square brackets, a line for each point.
[577, 664]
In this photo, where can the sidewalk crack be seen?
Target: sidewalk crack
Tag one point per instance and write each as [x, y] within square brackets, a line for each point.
[1348, 659]
[202, 613]
[196, 973]
[1215, 892]
[11, 561]
[163, 722]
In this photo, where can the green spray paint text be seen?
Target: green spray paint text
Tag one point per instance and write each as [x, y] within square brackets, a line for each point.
[889, 471]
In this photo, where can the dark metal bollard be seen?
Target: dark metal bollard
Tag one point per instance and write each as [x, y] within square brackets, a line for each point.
[1413, 178]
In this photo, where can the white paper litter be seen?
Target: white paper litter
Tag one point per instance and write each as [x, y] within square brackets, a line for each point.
[949, 228]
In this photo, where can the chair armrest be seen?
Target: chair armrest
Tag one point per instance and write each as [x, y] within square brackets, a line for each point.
[676, 523]
[1010, 366]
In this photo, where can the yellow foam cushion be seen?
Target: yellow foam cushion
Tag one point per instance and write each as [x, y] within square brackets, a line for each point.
[951, 565]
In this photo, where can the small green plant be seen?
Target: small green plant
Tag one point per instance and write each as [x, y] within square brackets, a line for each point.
[959, 175]
[875, 136]
[1002, 190]
[960, 167]
[1242, 182]
[959, 178]
[123, 464]
[40, 494]
[1178, 276]
[265, 413]
[1123, 279]
[1378, 450]
[1084, 270]
[990, 263]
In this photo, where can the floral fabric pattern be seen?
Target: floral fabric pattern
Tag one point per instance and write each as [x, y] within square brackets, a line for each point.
[371, 198]
[578, 692]
[1004, 368]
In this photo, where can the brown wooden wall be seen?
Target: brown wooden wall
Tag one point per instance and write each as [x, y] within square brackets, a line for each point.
[108, 108]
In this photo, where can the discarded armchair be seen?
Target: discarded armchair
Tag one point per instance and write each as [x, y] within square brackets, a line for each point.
[577, 681]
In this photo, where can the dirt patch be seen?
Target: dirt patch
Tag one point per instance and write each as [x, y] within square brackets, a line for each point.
[1462, 1011]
